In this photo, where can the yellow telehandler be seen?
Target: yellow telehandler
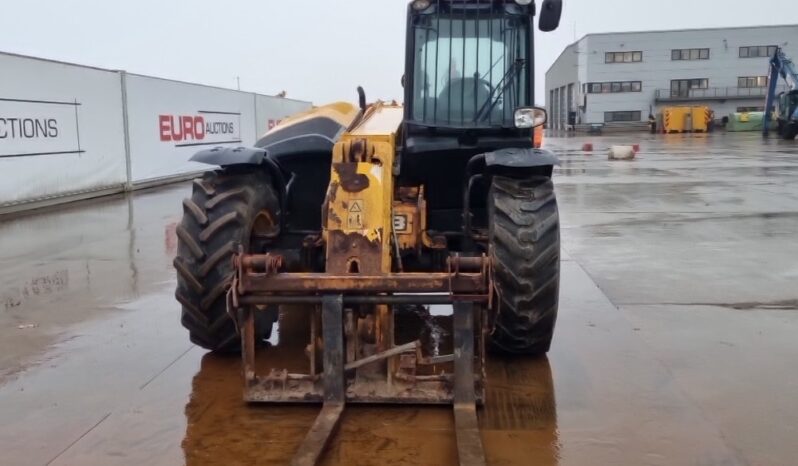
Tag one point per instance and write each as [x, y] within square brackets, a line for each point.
[364, 212]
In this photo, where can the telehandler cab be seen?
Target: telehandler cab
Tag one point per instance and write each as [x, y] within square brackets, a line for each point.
[365, 212]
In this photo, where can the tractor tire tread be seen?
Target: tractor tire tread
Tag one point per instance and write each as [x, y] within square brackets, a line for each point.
[525, 252]
[216, 226]
[192, 244]
[222, 253]
[191, 207]
[242, 193]
[217, 218]
[187, 276]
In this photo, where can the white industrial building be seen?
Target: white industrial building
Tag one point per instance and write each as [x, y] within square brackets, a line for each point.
[622, 77]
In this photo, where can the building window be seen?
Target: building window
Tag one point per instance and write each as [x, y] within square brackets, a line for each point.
[752, 81]
[757, 51]
[623, 57]
[750, 109]
[615, 87]
[682, 87]
[690, 54]
[610, 117]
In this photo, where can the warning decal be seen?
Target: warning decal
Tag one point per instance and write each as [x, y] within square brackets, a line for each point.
[354, 219]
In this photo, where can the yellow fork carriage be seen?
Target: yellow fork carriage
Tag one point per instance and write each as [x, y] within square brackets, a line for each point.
[407, 376]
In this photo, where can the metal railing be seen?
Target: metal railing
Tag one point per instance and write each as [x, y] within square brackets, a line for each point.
[713, 93]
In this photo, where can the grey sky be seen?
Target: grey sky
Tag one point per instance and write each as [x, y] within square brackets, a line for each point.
[317, 50]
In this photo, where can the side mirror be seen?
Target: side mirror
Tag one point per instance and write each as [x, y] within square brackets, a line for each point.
[530, 117]
[550, 13]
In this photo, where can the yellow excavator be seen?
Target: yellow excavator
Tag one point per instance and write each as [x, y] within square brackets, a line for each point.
[363, 213]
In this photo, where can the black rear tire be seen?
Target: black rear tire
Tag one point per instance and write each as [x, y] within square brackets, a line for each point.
[525, 250]
[227, 208]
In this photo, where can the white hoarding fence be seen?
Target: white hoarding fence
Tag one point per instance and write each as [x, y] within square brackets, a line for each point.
[269, 111]
[71, 131]
[32, 127]
[169, 121]
[61, 130]
[205, 128]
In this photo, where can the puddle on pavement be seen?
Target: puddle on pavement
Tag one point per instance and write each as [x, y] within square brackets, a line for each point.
[518, 420]
[690, 401]
[71, 264]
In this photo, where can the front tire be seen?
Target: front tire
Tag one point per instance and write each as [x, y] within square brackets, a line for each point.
[227, 208]
[525, 252]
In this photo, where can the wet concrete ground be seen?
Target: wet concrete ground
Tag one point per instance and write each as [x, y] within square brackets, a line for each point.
[675, 344]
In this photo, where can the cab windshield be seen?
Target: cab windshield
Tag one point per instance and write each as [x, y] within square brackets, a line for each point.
[470, 71]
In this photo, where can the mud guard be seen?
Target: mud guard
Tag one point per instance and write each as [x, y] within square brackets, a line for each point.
[253, 156]
[224, 156]
[520, 163]
[521, 158]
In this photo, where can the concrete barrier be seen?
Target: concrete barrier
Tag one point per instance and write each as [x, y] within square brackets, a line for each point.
[622, 153]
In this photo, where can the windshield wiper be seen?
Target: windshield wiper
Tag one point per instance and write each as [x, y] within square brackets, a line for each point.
[493, 67]
[490, 102]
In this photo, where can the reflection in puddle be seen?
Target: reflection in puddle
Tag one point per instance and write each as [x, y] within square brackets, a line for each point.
[429, 324]
[518, 421]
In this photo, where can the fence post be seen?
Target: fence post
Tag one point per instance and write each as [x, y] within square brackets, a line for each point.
[126, 128]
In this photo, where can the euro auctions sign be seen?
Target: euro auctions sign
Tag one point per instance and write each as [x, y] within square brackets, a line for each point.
[204, 128]
[30, 128]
